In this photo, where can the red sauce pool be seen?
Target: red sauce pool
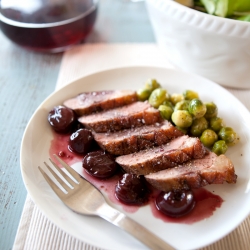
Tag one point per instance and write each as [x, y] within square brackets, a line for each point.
[59, 146]
[206, 202]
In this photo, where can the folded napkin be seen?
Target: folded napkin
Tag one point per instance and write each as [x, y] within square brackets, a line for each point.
[35, 231]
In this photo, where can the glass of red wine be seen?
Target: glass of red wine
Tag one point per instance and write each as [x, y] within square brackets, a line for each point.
[47, 25]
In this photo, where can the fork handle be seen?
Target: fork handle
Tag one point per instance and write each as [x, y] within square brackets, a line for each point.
[133, 228]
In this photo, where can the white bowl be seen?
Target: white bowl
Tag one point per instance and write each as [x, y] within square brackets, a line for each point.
[214, 47]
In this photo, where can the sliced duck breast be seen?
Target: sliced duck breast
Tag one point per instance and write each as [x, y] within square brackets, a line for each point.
[133, 115]
[89, 102]
[177, 151]
[211, 169]
[135, 139]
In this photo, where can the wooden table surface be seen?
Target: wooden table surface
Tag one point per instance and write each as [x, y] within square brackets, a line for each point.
[27, 78]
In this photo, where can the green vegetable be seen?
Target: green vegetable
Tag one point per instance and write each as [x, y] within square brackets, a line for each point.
[220, 147]
[216, 123]
[166, 112]
[174, 98]
[182, 105]
[208, 138]
[157, 97]
[244, 18]
[183, 130]
[212, 110]
[143, 94]
[210, 5]
[152, 84]
[228, 135]
[182, 118]
[225, 8]
[190, 115]
[221, 8]
[197, 108]
[241, 5]
[190, 94]
[168, 103]
[198, 126]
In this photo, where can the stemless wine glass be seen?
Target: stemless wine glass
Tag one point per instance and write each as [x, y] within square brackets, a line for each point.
[47, 25]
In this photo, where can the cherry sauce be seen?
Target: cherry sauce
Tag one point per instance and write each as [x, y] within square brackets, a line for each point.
[205, 201]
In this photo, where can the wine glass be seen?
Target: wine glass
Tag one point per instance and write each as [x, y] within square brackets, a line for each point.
[47, 25]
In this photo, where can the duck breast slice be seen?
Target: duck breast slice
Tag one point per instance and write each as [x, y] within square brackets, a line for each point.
[177, 151]
[89, 102]
[130, 116]
[132, 140]
[211, 169]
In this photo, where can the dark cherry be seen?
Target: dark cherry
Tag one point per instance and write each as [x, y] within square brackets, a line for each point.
[81, 141]
[175, 203]
[61, 119]
[132, 189]
[76, 126]
[99, 164]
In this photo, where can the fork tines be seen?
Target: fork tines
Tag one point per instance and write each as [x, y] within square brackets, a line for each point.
[72, 178]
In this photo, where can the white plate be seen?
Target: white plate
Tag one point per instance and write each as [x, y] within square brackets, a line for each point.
[234, 209]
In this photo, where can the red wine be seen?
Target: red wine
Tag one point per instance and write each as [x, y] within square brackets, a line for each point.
[50, 27]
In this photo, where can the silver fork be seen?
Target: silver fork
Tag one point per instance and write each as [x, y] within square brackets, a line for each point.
[86, 199]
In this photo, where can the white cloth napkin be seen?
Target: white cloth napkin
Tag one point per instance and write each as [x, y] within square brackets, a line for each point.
[35, 231]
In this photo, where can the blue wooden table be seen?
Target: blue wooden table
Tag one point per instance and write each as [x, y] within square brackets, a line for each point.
[27, 78]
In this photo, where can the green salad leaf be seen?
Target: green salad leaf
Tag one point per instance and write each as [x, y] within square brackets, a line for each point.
[210, 6]
[225, 8]
[222, 8]
[242, 5]
[237, 9]
[244, 18]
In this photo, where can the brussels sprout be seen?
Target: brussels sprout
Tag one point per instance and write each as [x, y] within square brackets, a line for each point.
[152, 84]
[182, 105]
[182, 118]
[220, 147]
[183, 130]
[143, 94]
[166, 112]
[216, 123]
[168, 103]
[168, 98]
[228, 135]
[208, 138]
[190, 95]
[212, 110]
[197, 108]
[198, 126]
[174, 98]
[157, 97]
